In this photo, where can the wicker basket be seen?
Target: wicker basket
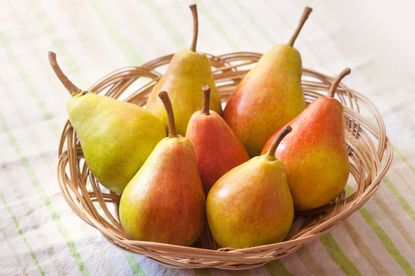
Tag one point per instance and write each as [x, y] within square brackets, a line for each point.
[370, 156]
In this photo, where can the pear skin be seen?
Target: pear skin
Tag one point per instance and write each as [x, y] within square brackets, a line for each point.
[164, 202]
[251, 205]
[187, 72]
[269, 96]
[217, 149]
[116, 137]
[315, 154]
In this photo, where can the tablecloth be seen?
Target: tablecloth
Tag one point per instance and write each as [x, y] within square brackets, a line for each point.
[39, 232]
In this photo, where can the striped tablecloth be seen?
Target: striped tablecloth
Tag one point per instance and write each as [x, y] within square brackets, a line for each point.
[41, 235]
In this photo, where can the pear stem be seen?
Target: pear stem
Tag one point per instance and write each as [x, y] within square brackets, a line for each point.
[206, 100]
[304, 17]
[169, 110]
[277, 141]
[72, 88]
[193, 8]
[337, 80]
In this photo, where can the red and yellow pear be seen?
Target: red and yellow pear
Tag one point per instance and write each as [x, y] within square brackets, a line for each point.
[269, 96]
[216, 147]
[315, 154]
[164, 202]
[251, 205]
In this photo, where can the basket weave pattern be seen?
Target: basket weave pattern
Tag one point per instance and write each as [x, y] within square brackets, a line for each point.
[370, 156]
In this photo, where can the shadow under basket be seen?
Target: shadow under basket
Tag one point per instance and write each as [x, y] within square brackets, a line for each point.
[370, 156]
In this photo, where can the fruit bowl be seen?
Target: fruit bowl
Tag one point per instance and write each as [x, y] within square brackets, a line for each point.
[370, 156]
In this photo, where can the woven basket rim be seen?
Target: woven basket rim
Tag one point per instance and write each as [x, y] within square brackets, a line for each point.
[229, 68]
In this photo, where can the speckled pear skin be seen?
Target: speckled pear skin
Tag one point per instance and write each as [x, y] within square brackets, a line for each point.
[217, 148]
[251, 205]
[116, 137]
[164, 202]
[188, 71]
[315, 154]
[267, 98]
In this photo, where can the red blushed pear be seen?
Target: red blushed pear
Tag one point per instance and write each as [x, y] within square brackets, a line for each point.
[164, 202]
[251, 205]
[216, 147]
[269, 96]
[315, 154]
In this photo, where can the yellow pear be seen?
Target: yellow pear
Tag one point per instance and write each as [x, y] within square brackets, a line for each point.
[251, 205]
[116, 137]
[188, 71]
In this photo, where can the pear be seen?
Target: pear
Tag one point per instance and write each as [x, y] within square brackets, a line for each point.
[315, 154]
[187, 72]
[116, 137]
[216, 147]
[164, 202]
[269, 96]
[251, 205]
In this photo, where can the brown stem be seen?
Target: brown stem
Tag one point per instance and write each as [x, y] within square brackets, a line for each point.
[206, 99]
[306, 13]
[72, 88]
[169, 110]
[277, 141]
[337, 80]
[193, 8]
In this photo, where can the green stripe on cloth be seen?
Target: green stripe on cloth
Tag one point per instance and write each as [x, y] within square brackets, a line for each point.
[213, 22]
[338, 256]
[229, 15]
[404, 159]
[256, 25]
[22, 265]
[387, 242]
[53, 37]
[202, 272]
[396, 221]
[307, 257]
[405, 205]
[277, 268]
[30, 87]
[360, 243]
[384, 238]
[24, 161]
[134, 264]
[128, 49]
[22, 235]
[177, 38]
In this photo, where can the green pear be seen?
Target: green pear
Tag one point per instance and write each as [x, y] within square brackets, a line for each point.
[116, 137]
[269, 96]
[251, 205]
[164, 202]
[315, 154]
[187, 72]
